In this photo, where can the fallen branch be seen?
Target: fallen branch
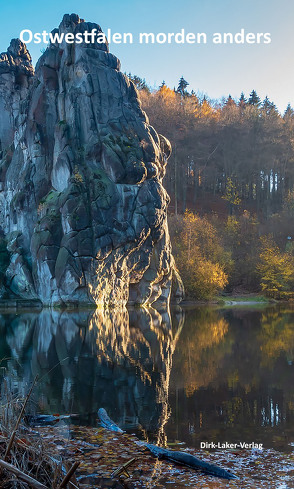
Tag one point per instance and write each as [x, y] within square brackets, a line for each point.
[64, 470]
[182, 458]
[69, 475]
[21, 475]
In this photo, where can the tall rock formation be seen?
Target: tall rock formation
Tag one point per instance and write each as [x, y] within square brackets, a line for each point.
[83, 212]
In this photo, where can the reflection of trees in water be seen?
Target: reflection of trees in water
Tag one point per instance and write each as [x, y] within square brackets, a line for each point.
[200, 354]
[277, 335]
[117, 359]
[233, 370]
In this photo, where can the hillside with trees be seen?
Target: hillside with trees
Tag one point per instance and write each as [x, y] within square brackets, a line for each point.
[231, 182]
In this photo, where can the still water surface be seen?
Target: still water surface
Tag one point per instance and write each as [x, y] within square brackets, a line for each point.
[203, 374]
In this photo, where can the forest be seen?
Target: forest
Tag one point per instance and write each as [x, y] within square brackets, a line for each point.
[231, 182]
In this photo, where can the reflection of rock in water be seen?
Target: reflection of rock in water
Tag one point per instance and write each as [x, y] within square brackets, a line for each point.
[117, 359]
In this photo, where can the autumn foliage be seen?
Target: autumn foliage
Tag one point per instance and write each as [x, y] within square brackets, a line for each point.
[231, 182]
[199, 256]
[276, 269]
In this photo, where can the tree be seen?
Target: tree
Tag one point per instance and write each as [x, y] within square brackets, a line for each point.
[254, 99]
[289, 113]
[232, 195]
[266, 104]
[276, 269]
[241, 239]
[230, 102]
[182, 87]
[139, 82]
[268, 107]
[206, 110]
[199, 255]
[242, 101]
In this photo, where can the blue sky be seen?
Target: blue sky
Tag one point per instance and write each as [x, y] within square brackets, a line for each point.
[216, 70]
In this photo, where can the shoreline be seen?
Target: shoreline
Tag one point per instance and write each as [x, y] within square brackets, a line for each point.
[230, 300]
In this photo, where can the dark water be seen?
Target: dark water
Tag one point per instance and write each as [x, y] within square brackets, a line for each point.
[205, 374]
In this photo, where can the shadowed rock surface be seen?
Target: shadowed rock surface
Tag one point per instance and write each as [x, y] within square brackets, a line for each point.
[82, 206]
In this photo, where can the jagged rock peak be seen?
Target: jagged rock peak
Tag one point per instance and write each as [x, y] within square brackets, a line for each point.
[69, 20]
[17, 59]
[72, 23]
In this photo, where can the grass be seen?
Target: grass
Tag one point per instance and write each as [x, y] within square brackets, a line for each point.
[244, 300]
[255, 298]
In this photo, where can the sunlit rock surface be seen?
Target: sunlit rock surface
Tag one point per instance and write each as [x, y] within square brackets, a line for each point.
[82, 206]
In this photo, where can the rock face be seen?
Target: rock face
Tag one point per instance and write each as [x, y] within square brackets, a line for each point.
[82, 206]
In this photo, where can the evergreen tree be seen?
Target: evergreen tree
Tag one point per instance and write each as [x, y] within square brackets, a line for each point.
[182, 86]
[139, 82]
[254, 99]
[269, 107]
[266, 104]
[242, 100]
[289, 113]
[230, 102]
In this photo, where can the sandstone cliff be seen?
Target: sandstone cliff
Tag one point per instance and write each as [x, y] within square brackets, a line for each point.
[82, 206]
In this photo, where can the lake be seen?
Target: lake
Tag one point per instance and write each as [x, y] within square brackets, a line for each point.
[203, 374]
